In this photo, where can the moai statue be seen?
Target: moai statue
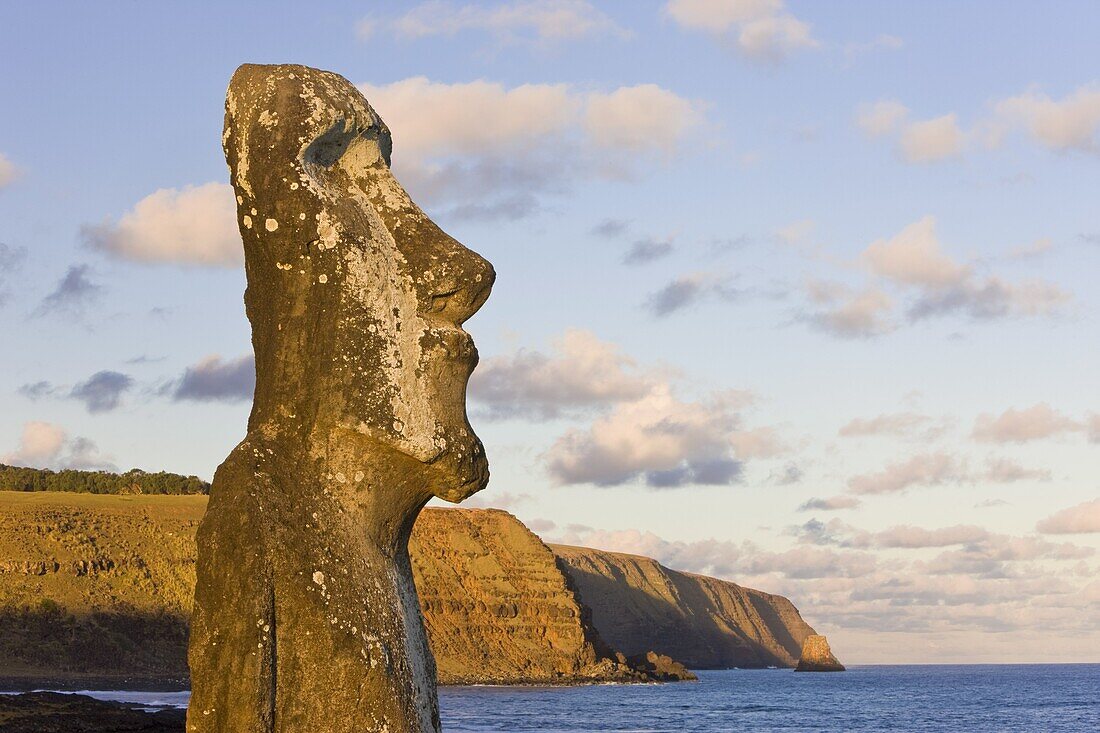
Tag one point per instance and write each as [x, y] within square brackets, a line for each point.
[306, 618]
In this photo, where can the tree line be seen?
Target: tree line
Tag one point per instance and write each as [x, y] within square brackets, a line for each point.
[134, 481]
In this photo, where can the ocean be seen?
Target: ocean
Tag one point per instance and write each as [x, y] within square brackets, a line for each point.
[952, 699]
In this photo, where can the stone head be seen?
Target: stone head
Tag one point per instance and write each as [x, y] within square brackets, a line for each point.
[356, 297]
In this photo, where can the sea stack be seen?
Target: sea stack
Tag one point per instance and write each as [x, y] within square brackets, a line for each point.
[305, 615]
[817, 656]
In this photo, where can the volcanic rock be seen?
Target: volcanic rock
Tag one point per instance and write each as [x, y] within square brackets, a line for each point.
[305, 613]
[817, 656]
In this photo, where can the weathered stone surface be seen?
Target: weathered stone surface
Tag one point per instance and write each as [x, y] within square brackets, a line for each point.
[817, 656]
[639, 605]
[305, 614]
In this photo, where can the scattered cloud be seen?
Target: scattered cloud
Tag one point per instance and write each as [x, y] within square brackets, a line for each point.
[1080, 519]
[74, 292]
[1008, 471]
[665, 441]
[762, 30]
[487, 150]
[926, 469]
[932, 140]
[787, 475]
[842, 311]
[44, 445]
[580, 373]
[102, 392]
[882, 117]
[38, 390]
[1071, 123]
[688, 290]
[541, 22]
[914, 260]
[914, 257]
[214, 379]
[611, 228]
[8, 172]
[195, 225]
[919, 141]
[897, 424]
[503, 500]
[643, 251]
[1037, 248]
[1037, 422]
[830, 504]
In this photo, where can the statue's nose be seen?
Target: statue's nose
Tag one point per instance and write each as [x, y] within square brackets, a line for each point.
[461, 297]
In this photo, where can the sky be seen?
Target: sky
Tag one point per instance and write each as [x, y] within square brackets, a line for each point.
[802, 295]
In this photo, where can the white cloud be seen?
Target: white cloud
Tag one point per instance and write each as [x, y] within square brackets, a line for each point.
[1008, 471]
[1080, 519]
[932, 140]
[194, 225]
[926, 469]
[542, 21]
[640, 118]
[913, 257]
[487, 150]
[1021, 426]
[882, 117]
[919, 141]
[8, 171]
[759, 29]
[1069, 124]
[659, 437]
[44, 445]
[850, 313]
[581, 372]
[898, 424]
[1072, 123]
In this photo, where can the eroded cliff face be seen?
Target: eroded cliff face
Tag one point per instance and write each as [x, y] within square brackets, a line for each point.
[99, 587]
[638, 604]
[497, 607]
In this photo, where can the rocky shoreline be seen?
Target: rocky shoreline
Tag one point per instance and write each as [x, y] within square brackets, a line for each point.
[56, 712]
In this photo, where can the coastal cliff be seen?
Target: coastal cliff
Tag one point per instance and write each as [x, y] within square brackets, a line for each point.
[497, 608]
[702, 622]
[98, 587]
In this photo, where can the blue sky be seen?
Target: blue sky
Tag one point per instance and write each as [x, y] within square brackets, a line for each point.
[798, 294]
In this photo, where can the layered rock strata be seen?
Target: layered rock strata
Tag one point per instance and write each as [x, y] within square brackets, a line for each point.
[95, 592]
[639, 605]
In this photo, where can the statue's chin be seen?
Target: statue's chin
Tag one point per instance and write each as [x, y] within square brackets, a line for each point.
[472, 478]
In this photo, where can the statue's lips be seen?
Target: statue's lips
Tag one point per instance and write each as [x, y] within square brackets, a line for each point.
[458, 345]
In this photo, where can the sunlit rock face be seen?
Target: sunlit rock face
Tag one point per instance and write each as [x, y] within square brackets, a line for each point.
[306, 617]
[817, 656]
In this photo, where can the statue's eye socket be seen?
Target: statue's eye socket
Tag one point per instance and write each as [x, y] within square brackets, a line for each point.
[440, 301]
